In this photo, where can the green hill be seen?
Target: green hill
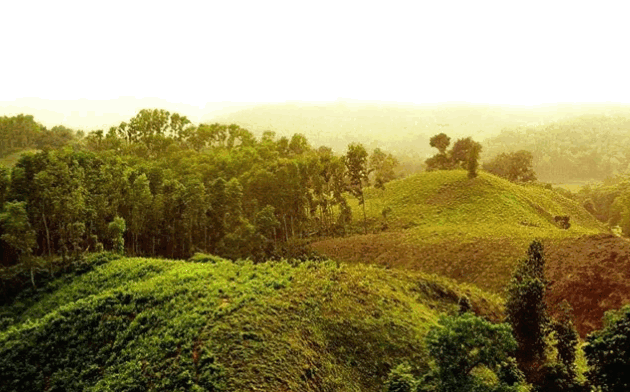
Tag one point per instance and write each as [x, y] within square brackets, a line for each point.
[471, 230]
[147, 324]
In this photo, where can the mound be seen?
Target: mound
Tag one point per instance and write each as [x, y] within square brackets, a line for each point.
[142, 324]
[469, 230]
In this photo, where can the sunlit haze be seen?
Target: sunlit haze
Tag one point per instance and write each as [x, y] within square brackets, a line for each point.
[195, 53]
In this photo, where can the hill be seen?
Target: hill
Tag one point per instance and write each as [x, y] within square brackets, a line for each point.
[474, 231]
[576, 149]
[404, 129]
[146, 324]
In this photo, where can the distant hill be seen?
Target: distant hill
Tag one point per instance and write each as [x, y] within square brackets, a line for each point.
[144, 324]
[400, 128]
[576, 149]
[470, 230]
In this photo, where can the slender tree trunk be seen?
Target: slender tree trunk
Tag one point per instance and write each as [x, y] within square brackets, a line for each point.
[33, 277]
[364, 216]
[47, 234]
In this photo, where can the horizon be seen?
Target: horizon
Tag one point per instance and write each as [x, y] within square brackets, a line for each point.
[92, 114]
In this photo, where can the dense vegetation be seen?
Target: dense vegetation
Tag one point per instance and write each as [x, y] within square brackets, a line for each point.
[162, 186]
[582, 148]
[216, 325]
[258, 309]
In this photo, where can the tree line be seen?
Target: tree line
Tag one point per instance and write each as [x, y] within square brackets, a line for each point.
[159, 185]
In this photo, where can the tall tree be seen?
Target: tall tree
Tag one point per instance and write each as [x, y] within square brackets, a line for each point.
[18, 233]
[382, 166]
[356, 160]
[526, 310]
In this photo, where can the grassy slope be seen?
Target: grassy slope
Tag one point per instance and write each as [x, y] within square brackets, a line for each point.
[145, 324]
[470, 230]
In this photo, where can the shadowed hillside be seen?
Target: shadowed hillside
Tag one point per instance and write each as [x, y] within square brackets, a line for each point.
[145, 324]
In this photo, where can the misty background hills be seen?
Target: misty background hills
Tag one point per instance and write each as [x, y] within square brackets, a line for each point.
[568, 141]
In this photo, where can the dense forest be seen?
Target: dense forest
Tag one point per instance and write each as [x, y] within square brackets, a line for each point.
[582, 148]
[170, 188]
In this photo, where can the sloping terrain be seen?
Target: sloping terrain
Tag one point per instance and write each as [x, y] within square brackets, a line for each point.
[470, 230]
[475, 230]
[592, 273]
[145, 324]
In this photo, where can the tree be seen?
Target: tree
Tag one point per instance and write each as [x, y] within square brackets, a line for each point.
[441, 142]
[442, 160]
[608, 352]
[526, 311]
[382, 167]
[515, 166]
[465, 154]
[18, 233]
[462, 345]
[566, 336]
[117, 229]
[357, 171]
[472, 162]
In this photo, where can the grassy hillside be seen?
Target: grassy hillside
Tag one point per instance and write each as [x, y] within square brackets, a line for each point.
[471, 230]
[145, 324]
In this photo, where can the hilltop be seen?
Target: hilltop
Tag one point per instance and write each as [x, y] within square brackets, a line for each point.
[147, 324]
[475, 230]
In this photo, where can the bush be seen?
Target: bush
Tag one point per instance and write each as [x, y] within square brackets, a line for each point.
[608, 352]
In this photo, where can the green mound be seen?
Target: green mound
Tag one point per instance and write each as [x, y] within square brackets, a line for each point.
[447, 203]
[144, 324]
[471, 230]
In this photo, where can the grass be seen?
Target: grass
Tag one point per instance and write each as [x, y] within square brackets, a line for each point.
[470, 230]
[11, 159]
[146, 324]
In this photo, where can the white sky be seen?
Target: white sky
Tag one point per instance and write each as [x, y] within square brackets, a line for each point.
[507, 52]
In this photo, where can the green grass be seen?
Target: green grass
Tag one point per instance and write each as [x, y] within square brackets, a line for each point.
[447, 203]
[145, 324]
[472, 230]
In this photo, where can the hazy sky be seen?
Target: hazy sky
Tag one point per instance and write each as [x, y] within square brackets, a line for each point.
[526, 52]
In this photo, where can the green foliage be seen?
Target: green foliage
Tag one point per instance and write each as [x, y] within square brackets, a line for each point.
[440, 141]
[526, 310]
[381, 166]
[567, 338]
[400, 379]
[143, 324]
[463, 345]
[356, 161]
[514, 166]
[463, 155]
[607, 352]
[579, 148]
[117, 228]
[183, 188]
[18, 233]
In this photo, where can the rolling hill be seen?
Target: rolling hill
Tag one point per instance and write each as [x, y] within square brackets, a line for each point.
[403, 129]
[147, 324]
[474, 231]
